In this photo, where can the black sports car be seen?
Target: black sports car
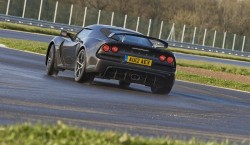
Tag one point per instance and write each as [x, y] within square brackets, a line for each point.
[113, 53]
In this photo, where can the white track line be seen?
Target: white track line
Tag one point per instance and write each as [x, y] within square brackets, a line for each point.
[1, 45]
[23, 50]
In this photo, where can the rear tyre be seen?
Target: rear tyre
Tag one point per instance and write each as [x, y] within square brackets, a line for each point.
[80, 74]
[124, 84]
[51, 62]
[164, 87]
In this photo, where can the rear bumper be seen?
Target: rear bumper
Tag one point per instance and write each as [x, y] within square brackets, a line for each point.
[131, 72]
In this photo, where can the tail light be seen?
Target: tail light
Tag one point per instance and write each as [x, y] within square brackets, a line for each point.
[162, 58]
[105, 48]
[115, 49]
[170, 60]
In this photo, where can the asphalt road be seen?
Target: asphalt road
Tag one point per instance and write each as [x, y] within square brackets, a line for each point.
[190, 110]
[25, 35]
[46, 38]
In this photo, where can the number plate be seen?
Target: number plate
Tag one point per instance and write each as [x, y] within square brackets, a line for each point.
[138, 60]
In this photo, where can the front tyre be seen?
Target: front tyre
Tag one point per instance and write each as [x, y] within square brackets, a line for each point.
[79, 72]
[51, 62]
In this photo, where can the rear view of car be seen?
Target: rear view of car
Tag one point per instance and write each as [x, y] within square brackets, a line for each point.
[110, 52]
[134, 58]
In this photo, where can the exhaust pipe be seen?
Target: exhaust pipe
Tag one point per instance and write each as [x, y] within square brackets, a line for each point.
[135, 77]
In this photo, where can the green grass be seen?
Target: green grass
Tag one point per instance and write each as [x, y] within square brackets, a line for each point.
[61, 134]
[38, 47]
[215, 67]
[210, 54]
[27, 28]
[186, 76]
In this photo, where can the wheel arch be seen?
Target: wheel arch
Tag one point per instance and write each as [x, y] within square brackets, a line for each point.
[48, 49]
[80, 48]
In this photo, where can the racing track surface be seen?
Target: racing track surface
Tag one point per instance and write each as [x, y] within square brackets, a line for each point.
[46, 38]
[190, 110]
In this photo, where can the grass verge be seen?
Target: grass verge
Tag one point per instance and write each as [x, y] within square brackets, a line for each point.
[26, 28]
[61, 134]
[215, 67]
[210, 54]
[40, 47]
[186, 76]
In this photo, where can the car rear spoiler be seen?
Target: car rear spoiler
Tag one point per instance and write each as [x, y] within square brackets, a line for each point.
[112, 35]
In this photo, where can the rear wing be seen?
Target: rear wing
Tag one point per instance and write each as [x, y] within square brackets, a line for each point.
[155, 41]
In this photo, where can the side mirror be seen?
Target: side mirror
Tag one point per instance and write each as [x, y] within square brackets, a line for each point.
[64, 33]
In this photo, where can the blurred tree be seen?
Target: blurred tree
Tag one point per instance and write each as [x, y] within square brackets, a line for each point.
[123, 6]
[98, 4]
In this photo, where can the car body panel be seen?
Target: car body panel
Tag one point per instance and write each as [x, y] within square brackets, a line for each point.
[92, 38]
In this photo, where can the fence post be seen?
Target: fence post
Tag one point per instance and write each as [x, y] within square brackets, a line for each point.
[172, 33]
[112, 18]
[24, 7]
[125, 21]
[204, 37]
[99, 16]
[194, 35]
[224, 39]
[55, 13]
[160, 30]
[137, 25]
[149, 26]
[84, 16]
[243, 44]
[8, 6]
[70, 16]
[215, 32]
[183, 33]
[40, 10]
[234, 42]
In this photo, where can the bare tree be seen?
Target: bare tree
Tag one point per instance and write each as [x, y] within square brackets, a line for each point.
[98, 4]
[123, 6]
[154, 8]
[81, 3]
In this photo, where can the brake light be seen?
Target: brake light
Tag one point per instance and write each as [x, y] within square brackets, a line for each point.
[115, 49]
[170, 60]
[105, 48]
[162, 58]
